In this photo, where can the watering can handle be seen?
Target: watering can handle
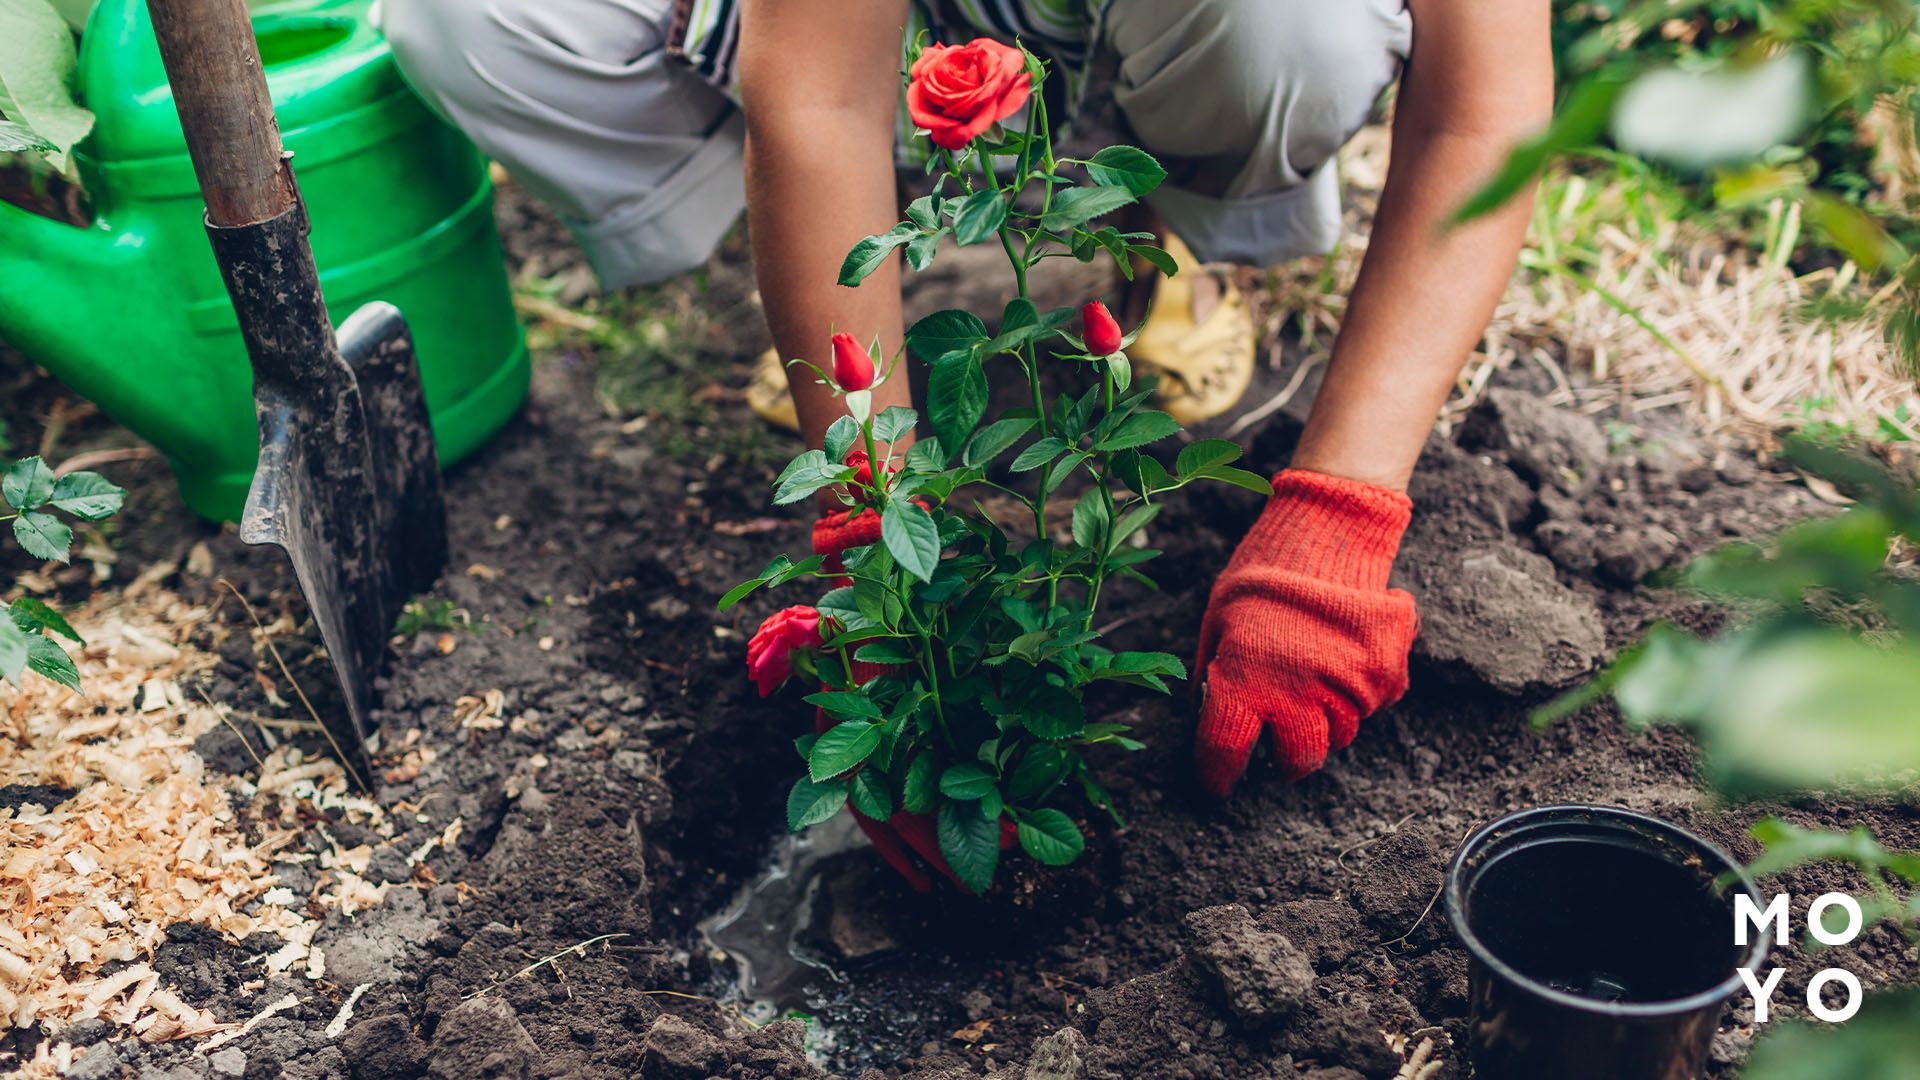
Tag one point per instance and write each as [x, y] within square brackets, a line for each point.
[220, 88]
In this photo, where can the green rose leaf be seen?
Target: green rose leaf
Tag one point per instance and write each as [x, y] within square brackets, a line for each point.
[27, 484]
[996, 439]
[921, 249]
[1039, 454]
[868, 254]
[1240, 478]
[885, 652]
[970, 840]
[1143, 427]
[1077, 206]
[1051, 837]
[916, 792]
[1126, 167]
[43, 535]
[870, 795]
[1131, 522]
[1051, 712]
[980, 216]
[893, 423]
[966, 782]
[87, 496]
[805, 475]
[810, 803]
[924, 212]
[14, 646]
[1158, 257]
[35, 615]
[911, 538]
[841, 747]
[957, 397]
[1039, 770]
[945, 332]
[1204, 454]
[841, 437]
[845, 705]
[1091, 517]
[45, 656]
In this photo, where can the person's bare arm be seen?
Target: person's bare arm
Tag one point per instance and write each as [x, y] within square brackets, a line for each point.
[1479, 79]
[820, 83]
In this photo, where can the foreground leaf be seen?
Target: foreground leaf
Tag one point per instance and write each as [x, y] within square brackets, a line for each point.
[31, 615]
[87, 496]
[14, 644]
[1051, 837]
[1126, 167]
[842, 747]
[37, 65]
[810, 803]
[966, 782]
[956, 397]
[911, 538]
[970, 840]
[917, 791]
[44, 655]
[43, 535]
[870, 795]
[28, 484]
[868, 254]
[1077, 206]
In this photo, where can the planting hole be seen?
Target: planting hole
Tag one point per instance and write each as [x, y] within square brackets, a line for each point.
[1604, 921]
[767, 928]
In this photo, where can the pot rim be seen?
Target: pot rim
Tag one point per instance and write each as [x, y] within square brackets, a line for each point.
[1454, 894]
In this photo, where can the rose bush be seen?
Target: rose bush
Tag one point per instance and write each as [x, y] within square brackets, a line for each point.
[956, 650]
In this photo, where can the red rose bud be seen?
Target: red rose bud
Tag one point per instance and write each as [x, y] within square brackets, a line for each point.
[852, 367]
[1102, 332]
[958, 91]
[770, 653]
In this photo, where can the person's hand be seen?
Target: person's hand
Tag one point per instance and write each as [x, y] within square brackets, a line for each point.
[904, 835]
[1302, 638]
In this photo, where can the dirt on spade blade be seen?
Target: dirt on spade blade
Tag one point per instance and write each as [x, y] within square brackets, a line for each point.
[581, 712]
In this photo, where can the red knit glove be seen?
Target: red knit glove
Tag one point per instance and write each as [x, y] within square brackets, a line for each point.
[903, 835]
[1302, 637]
[841, 532]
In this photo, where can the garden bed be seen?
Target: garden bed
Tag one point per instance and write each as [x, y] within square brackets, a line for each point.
[576, 771]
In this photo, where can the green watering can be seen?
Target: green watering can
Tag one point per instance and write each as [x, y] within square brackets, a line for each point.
[131, 312]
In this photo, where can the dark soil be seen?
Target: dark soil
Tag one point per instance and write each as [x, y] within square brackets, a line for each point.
[1288, 931]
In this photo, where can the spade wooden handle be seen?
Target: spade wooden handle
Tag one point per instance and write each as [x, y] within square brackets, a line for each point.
[220, 88]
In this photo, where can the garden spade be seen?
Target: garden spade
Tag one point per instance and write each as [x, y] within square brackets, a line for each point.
[348, 482]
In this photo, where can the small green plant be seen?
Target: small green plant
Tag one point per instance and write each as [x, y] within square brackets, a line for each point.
[430, 613]
[956, 654]
[1815, 688]
[32, 494]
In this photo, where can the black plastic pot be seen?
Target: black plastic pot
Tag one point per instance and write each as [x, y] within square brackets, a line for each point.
[1599, 944]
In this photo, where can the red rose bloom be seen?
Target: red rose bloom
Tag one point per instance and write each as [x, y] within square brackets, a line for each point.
[862, 467]
[958, 91]
[770, 653]
[1102, 332]
[852, 367]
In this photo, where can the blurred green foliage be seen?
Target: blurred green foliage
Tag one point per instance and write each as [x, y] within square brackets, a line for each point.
[1814, 687]
[1865, 97]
